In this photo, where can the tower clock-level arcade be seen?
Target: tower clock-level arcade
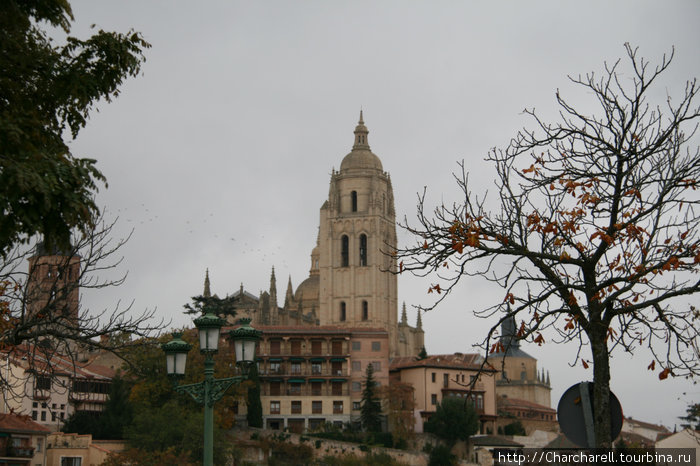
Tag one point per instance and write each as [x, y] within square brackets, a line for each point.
[357, 231]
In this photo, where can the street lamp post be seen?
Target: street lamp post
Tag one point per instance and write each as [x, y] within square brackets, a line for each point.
[210, 390]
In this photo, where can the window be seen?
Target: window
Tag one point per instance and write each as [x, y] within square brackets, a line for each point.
[295, 368]
[356, 405]
[35, 415]
[275, 346]
[342, 311]
[356, 345]
[356, 366]
[296, 347]
[39, 445]
[376, 346]
[296, 407]
[274, 407]
[445, 379]
[315, 367]
[377, 366]
[344, 248]
[316, 348]
[316, 407]
[43, 383]
[356, 386]
[337, 347]
[433, 399]
[365, 311]
[316, 388]
[338, 407]
[294, 388]
[275, 368]
[71, 461]
[363, 250]
[275, 388]
[353, 200]
[337, 367]
[337, 388]
[432, 377]
[43, 415]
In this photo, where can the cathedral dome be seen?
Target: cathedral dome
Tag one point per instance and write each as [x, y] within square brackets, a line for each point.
[361, 156]
[361, 159]
[308, 289]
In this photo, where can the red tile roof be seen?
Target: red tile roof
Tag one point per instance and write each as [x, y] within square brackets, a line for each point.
[470, 361]
[21, 424]
[504, 402]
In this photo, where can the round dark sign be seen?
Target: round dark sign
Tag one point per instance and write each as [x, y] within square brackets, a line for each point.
[575, 414]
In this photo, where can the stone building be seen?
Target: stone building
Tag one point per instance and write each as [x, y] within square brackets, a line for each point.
[310, 376]
[350, 283]
[319, 339]
[439, 376]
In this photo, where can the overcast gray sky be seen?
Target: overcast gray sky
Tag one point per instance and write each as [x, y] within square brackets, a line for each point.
[219, 156]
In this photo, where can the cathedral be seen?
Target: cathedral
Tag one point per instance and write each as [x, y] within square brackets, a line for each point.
[350, 283]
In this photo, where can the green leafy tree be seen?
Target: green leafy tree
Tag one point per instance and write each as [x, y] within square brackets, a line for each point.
[595, 232]
[254, 415]
[514, 428]
[692, 417]
[47, 91]
[454, 419]
[441, 455]
[371, 408]
[422, 354]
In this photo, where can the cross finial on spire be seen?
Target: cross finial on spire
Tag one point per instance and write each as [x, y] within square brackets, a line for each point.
[207, 290]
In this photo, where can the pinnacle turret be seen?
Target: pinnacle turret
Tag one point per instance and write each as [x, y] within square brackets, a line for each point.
[404, 318]
[419, 322]
[207, 288]
[361, 132]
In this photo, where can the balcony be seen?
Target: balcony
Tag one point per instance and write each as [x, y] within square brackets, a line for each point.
[16, 452]
[266, 390]
[87, 397]
[304, 372]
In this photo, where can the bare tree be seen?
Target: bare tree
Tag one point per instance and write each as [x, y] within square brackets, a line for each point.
[595, 236]
[43, 326]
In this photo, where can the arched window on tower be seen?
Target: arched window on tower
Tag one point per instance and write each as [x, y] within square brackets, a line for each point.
[365, 310]
[344, 251]
[353, 198]
[342, 311]
[363, 250]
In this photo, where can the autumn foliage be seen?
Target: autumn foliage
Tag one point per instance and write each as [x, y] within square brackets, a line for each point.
[595, 228]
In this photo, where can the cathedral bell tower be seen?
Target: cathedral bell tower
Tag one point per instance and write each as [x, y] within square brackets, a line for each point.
[357, 231]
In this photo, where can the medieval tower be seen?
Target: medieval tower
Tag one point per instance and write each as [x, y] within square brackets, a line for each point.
[357, 232]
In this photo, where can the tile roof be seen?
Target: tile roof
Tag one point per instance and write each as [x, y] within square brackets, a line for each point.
[471, 361]
[21, 425]
[522, 404]
[647, 425]
[55, 363]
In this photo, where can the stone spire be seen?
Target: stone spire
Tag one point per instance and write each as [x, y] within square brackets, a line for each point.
[547, 378]
[404, 318]
[207, 289]
[289, 297]
[273, 289]
[361, 132]
[419, 322]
